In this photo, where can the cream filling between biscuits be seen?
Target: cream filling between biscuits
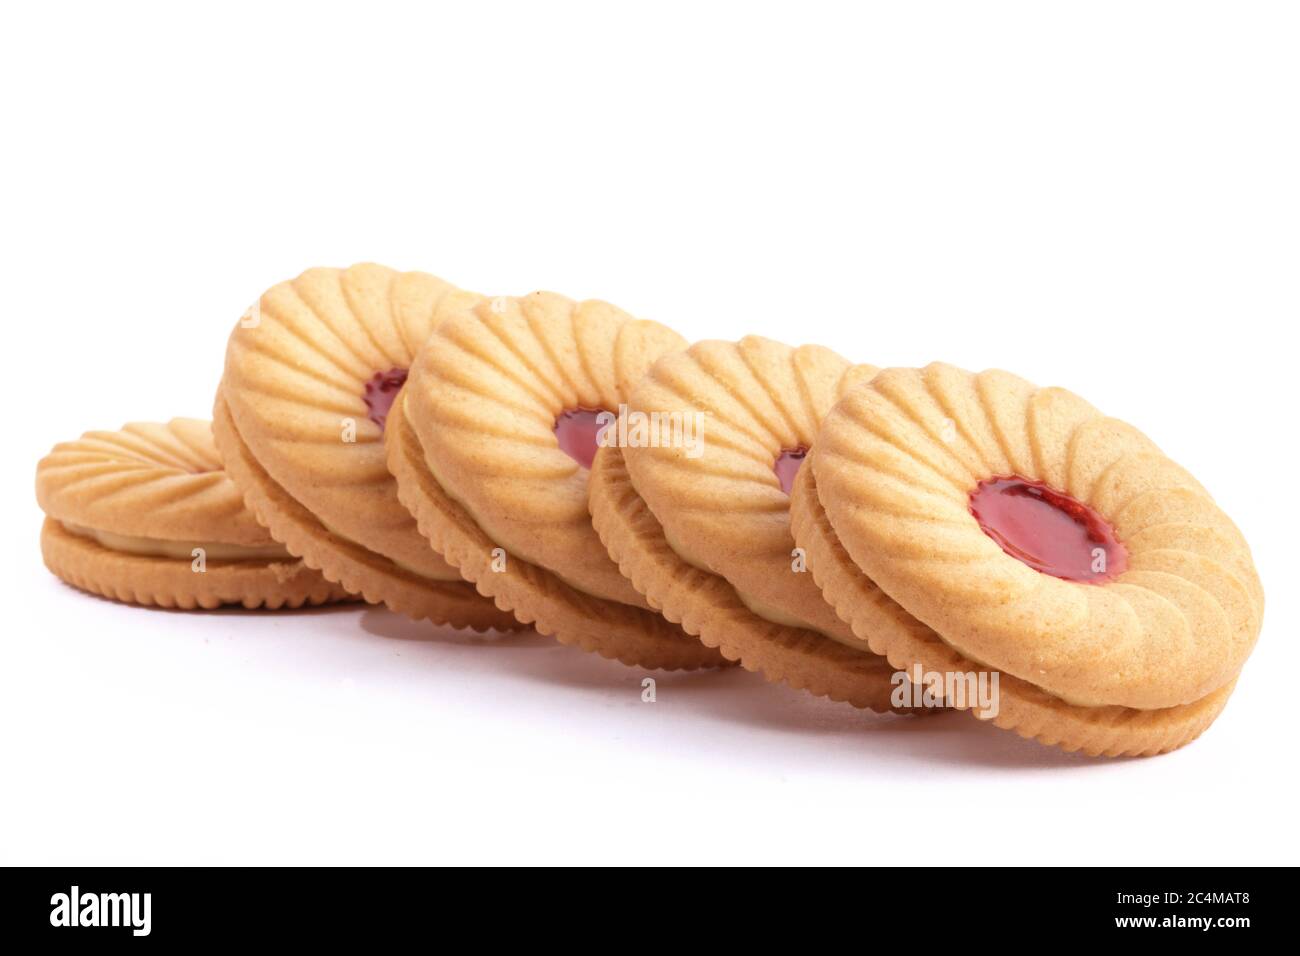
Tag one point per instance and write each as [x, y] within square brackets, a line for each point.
[517, 552]
[181, 550]
[766, 611]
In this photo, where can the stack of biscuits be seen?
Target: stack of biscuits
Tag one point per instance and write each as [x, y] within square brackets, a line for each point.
[902, 540]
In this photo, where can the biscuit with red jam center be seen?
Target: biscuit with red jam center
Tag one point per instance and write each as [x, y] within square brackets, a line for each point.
[697, 516]
[311, 374]
[1035, 537]
[491, 443]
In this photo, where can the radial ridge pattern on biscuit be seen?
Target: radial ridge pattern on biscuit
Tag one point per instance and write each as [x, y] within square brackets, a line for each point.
[484, 398]
[150, 479]
[147, 515]
[297, 426]
[725, 507]
[1020, 706]
[475, 446]
[895, 465]
[704, 532]
[485, 462]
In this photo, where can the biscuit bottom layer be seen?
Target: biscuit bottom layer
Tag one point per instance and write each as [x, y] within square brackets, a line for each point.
[168, 582]
[160, 548]
[215, 550]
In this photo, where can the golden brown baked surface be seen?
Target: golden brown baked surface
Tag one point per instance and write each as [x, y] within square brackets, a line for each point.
[895, 465]
[147, 515]
[484, 397]
[1020, 706]
[635, 636]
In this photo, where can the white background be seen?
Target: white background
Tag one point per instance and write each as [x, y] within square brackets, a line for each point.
[1101, 196]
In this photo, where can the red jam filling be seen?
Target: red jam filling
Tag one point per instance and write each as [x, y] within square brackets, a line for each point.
[576, 429]
[380, 392]
[1048, 530]
[787, 466]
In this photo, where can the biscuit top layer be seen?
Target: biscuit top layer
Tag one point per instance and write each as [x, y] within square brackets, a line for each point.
[723, 505]
[895, 464]
[148, 480]
[484, 397]
[310, 376]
